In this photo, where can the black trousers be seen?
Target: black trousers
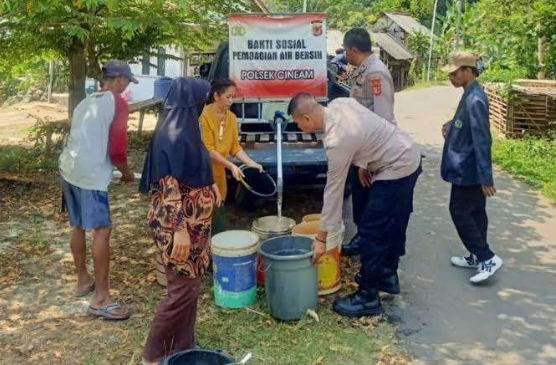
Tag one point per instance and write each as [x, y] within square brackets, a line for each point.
[468, 211]
[360, 197]
[382, 226]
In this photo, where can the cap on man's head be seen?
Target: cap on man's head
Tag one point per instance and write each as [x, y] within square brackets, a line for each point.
[117, 68]
[460, 59]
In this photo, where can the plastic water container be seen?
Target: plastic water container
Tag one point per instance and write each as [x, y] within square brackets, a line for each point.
[268, 227]
[329, 263]
[161, 87]
[234, 258]
[198, 357]
[311, 217]
[291, 280]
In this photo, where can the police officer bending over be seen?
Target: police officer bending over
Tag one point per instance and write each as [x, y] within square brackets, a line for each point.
[352, 134]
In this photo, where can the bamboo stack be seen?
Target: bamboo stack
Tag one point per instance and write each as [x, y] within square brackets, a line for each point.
[530, 109]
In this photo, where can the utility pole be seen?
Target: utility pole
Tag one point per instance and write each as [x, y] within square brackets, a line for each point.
[304, 6]
[431, 41]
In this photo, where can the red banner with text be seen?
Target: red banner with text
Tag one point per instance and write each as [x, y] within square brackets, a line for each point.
[278, 56]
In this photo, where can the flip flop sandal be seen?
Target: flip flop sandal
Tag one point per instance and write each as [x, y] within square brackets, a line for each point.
[89, 290]
[106, 312]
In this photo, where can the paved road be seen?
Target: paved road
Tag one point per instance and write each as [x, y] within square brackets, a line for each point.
[442, 317]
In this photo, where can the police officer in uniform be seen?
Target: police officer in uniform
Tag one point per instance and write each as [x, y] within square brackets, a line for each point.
[372, 87]
[372, 82]
[353, 135]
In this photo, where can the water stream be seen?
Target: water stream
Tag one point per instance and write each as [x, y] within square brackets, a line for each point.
[279, 204]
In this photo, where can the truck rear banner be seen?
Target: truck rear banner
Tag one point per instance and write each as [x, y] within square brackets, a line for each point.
[277, 56]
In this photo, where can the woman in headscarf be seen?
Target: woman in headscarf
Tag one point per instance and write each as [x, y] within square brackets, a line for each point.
[178, 172]
[220, 135]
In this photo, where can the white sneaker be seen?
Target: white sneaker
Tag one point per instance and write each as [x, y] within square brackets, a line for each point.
[469, 262]
[487, 269]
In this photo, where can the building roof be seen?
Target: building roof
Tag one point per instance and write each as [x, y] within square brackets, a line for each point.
[391, 45]
[406, 22]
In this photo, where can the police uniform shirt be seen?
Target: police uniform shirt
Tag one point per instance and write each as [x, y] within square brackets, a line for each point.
[372, 87]
[355, 135]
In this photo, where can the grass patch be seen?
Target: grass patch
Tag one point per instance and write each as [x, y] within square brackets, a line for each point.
[25, 132]
[331, 340]
[27, 161]
[530, 159]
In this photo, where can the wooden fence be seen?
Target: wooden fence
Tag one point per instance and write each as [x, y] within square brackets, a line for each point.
[528, 108]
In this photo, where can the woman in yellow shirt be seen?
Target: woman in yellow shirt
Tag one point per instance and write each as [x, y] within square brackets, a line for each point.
[220, 135]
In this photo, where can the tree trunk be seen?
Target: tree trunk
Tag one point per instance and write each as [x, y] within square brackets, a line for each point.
[78, 74]
[51, 69]
[541, 75]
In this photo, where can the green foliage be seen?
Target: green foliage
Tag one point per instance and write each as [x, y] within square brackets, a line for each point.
[507, 32]
[505, 78]
[531, 159]
[504, 33]
[47, 140]
[17, 77]
[418, 44]
[456, 16]
[107, 29]
[26, 161]
[139, 142]
[342, 15]
[421, 10]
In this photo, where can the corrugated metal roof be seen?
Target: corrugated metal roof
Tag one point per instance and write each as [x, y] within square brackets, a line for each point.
[391, 46]
[407, 23]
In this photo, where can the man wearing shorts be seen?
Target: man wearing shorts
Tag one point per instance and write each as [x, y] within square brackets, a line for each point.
[97, 143]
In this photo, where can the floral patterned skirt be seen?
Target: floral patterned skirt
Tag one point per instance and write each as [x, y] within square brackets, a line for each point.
[176, 207]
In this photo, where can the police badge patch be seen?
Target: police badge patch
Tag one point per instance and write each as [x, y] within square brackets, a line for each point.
[376, 85]
[316, 28]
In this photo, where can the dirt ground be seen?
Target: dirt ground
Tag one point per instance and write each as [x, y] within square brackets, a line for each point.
[439, 317]
[41, 322]
[17, 120]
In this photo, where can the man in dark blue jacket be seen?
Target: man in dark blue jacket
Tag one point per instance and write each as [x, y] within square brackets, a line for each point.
[467, 165]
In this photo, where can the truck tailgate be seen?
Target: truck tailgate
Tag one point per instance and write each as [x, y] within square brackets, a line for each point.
[290, 157]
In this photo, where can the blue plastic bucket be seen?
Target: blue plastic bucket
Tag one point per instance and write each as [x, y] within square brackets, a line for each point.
[234, 258]
[161, 87]
[198, 357]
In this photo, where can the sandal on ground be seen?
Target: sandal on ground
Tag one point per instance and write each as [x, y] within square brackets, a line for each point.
[106, 312]
[89, 290]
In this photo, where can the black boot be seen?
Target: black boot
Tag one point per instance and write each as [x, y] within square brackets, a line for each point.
[389, 282]
[361, 303]
[352, 248]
